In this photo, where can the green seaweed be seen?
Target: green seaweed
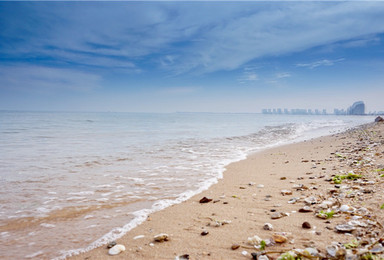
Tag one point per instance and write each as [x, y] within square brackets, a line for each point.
[350, 176]
[327, 214]
[353, 244]
[382, 206]
[262, 245]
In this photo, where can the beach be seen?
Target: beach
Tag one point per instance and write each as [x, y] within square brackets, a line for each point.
[273, 186]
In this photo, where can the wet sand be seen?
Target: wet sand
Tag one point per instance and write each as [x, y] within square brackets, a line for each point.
[251, 193]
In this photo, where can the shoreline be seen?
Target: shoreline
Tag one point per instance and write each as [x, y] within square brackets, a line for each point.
[245, 197]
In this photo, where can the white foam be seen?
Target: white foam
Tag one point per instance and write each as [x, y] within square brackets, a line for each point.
[46, 225]
[36, 254]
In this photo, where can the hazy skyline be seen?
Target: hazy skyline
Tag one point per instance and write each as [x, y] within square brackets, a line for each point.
[190, 56]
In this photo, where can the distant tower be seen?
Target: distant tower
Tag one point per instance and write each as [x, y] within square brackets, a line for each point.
[358, 108]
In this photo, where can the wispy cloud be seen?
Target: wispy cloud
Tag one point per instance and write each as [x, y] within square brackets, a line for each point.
[319, 63]
[179, 90]
[282, 75]
[37, 79]
[205, 37]
[249, 74]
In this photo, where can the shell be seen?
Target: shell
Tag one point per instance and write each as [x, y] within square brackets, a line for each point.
[344, 208]
[117, 249]
[345, 228]
[254, 241]
[161, 237]
[331, 250]
[279, 238]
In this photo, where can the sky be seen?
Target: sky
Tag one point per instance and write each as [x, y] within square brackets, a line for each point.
[194, 56]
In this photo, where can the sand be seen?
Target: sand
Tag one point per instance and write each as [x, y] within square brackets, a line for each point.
[251, 192]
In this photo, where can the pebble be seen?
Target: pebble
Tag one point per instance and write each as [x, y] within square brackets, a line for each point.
[260, 186]
[277, 215]
[305, 209]
[268, 226]
[244, 253]
[235, 246]
[205, 200]
[117, 249]
[161, 237]
[182, 257]
[111, 244]
[306, 225]
[204, 233]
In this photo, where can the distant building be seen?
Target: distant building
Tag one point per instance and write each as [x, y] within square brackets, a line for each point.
[357, 108]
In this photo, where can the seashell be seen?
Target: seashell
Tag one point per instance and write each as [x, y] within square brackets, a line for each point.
[254, 241]
[260, 186]
[377, 249]
[244, 253]
[310, 200]
[357, 223]
[263, 257]
[279, 238]
[312, 251]
[267, 226]
[332, 250]
[345, 228]
[344, 208]
[117, 249]
[161, 237]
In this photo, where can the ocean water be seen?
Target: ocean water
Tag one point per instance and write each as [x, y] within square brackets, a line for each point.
[73, 181]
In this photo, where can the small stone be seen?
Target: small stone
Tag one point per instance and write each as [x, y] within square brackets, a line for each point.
[276, 215]
[283, 178]
[235, 246]
[305, 209]
[205, 200]
[244, 253]
[263, 257]
[117, 249]
[279, 238]
[204, 233]
[254, 256]
[306, 225]
[161, 237]
[260, 186]
[111, 244]
[182, 257]
[286, 192]
[268, 226]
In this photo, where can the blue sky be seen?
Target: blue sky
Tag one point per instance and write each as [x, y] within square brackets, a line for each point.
[191, 56]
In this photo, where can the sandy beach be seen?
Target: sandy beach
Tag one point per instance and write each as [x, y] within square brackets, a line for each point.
[337, 178]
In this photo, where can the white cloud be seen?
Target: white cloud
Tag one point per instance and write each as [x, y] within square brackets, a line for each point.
[204, 36]
[319, 63]
[282, 75]
[38, 79]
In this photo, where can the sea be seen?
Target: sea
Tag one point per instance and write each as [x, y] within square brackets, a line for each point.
[71, 182]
